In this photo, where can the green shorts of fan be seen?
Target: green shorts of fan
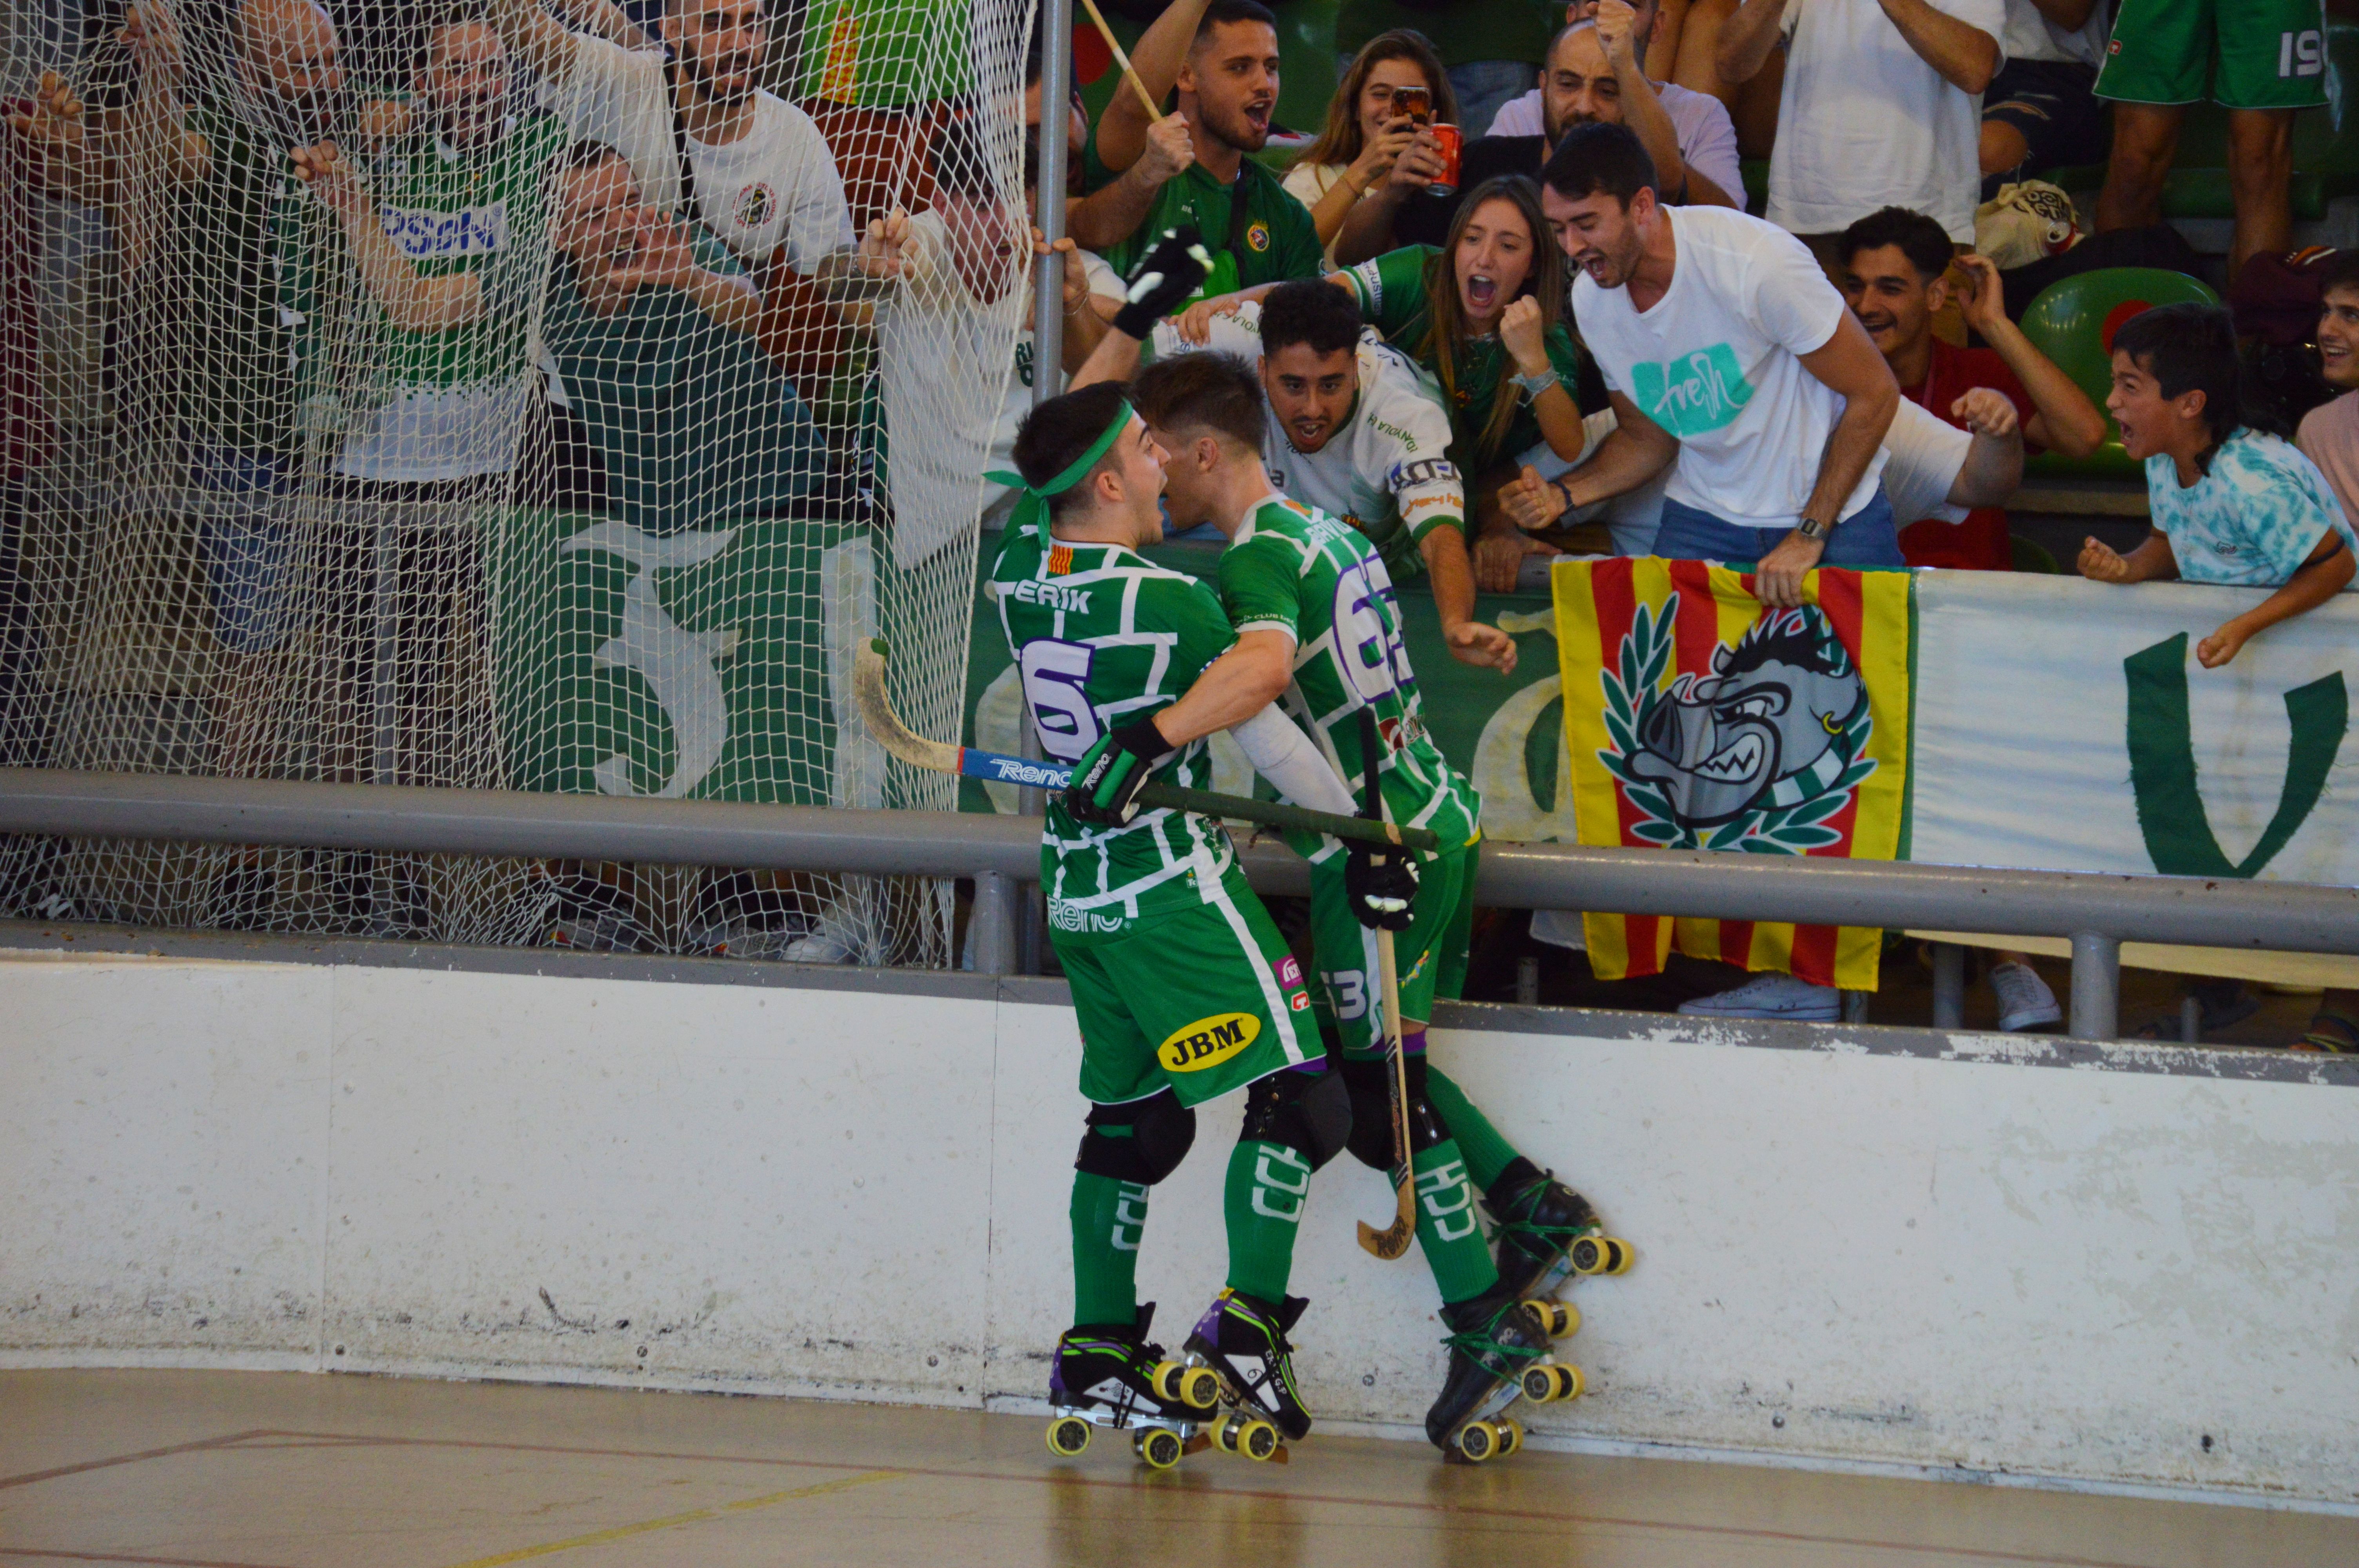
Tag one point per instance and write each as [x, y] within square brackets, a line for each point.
[2245, 54]
[1200, 1001]
[1430, 954]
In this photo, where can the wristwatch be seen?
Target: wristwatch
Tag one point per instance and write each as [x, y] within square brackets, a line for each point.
[1811, 528]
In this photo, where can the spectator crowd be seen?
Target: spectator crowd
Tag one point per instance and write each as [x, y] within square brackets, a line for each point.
[1735, 280]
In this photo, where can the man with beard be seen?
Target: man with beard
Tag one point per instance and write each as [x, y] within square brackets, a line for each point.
[1223, 58]
[1595, 74]
[700, 138]
[449, 250]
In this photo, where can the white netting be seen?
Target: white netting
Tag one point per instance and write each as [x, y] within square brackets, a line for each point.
[498, 454]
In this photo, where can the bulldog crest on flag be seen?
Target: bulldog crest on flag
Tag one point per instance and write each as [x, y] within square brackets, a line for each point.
[1697, 718]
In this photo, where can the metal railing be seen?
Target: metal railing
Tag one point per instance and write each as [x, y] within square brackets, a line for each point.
[2096, 912]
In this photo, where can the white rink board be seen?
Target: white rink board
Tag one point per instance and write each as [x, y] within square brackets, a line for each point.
[1843, 1256]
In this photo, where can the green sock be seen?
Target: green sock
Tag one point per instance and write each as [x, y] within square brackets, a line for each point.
[1487, 1153]
[1447, 1228]
[1268, 1184]
[1109, 1218]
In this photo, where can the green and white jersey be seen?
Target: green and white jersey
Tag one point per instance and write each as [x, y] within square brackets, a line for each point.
[1304, 573]
[1386, 472]
[1103, 637]
[450, 398]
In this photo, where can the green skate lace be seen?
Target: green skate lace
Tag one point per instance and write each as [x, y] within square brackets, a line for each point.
[1475, 1342]
[1514, 1226]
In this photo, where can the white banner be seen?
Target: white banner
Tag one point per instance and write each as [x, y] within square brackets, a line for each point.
[2065, 724]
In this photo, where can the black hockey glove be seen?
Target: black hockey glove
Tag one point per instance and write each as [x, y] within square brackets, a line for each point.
[1380, 884]
[1165, 278]
[1106, 781]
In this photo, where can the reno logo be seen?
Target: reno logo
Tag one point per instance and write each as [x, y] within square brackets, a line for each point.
[1209, 1042]
[423, 234]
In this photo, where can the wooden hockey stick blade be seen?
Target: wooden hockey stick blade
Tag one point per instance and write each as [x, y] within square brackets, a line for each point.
[1393, 1240]
[884, 726]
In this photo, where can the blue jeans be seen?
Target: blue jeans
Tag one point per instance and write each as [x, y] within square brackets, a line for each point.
[1866, 538]
[247, 542]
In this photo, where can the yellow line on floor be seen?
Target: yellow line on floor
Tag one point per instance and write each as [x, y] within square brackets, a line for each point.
[694, 1515]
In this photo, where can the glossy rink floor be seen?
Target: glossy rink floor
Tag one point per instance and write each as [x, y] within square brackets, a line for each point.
[242, 1470]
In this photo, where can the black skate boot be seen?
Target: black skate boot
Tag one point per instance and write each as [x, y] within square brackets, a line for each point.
[1110, 1375]
[1539, 1219]
[1243, 1339]
[1498, 1354]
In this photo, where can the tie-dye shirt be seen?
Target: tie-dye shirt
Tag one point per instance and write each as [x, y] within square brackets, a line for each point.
[2253, 520]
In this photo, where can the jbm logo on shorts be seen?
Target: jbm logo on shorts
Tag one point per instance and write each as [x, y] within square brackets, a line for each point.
[1692, 395]
[427, 235]
[1208, 1042]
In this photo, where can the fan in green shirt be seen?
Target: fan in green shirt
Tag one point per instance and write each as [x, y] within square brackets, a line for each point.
[1484, 316]
[1222, 60]
[652, 331]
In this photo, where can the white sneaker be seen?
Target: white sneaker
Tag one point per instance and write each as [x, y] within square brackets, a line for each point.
[2024, 1000]
[1770, 996]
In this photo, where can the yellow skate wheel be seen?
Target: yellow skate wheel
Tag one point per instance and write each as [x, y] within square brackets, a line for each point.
[1623, 1256]
[1560, 1319]
[1200, 1387]
[1069, 1436]
[1225, 1430]
[1511, 1436]
[1477, 1440]
[1158, 1448]
[1587, 1255]
[1258, 1441]
[1546, 1384]
[1165, 1378]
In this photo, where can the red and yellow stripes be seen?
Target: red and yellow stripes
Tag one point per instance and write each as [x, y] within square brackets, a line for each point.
[1596, 606]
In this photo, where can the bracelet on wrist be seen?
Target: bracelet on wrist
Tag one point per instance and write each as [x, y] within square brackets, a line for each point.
[1563, 493]
[1534, 386]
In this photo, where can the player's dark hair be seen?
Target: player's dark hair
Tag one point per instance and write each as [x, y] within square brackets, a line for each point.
[2190, 348]
[1221, 12]
[1925, 243]
[1308, 310]
[958, 155]
[1214, 392]
[1601, 157]
[1056, 433]
[587, 153]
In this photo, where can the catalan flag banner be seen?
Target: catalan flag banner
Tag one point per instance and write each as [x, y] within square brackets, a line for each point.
[1697, 717]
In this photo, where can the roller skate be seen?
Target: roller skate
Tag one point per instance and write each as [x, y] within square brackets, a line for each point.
[1498, 1354]
[1547, 1233]
[1109, 1375]
[1242, 1339]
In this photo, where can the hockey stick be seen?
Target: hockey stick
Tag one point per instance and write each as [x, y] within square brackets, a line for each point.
[997, 767]
[1393, 1240]
[1123, 58]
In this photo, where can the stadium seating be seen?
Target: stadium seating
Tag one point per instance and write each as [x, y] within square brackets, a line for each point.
[2073, 323]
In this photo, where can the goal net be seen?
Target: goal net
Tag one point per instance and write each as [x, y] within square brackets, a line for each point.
[557, 433]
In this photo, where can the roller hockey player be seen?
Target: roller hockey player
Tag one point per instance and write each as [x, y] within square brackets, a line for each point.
[1298, 573]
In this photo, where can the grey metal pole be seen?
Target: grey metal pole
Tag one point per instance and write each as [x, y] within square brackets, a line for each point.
[1854, 1006]
[1949, 986]
[2097, 986]
[995, 924]
[1047, 279]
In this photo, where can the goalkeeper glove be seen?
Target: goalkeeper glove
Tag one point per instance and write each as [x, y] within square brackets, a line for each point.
[1379, 884]
[1168, 274]
[1106, 781]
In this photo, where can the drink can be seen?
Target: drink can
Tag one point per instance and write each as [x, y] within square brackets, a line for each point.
[1446, 183]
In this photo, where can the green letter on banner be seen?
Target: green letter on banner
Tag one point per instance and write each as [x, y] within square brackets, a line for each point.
[2162, 764]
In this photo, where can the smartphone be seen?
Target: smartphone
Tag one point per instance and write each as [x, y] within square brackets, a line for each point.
[1416, 102]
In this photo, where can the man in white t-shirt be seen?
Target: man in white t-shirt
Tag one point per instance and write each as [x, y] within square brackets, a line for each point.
[765, 182]
[1597, 70]
[1355, 429]
[1729, 358]
[1881, 106]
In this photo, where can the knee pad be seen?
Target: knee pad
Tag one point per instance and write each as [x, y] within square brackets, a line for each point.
[1308, 1113]
[1142, 1142]
[1370, 1086]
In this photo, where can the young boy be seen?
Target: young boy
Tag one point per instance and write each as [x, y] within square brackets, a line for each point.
[2231, 506]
